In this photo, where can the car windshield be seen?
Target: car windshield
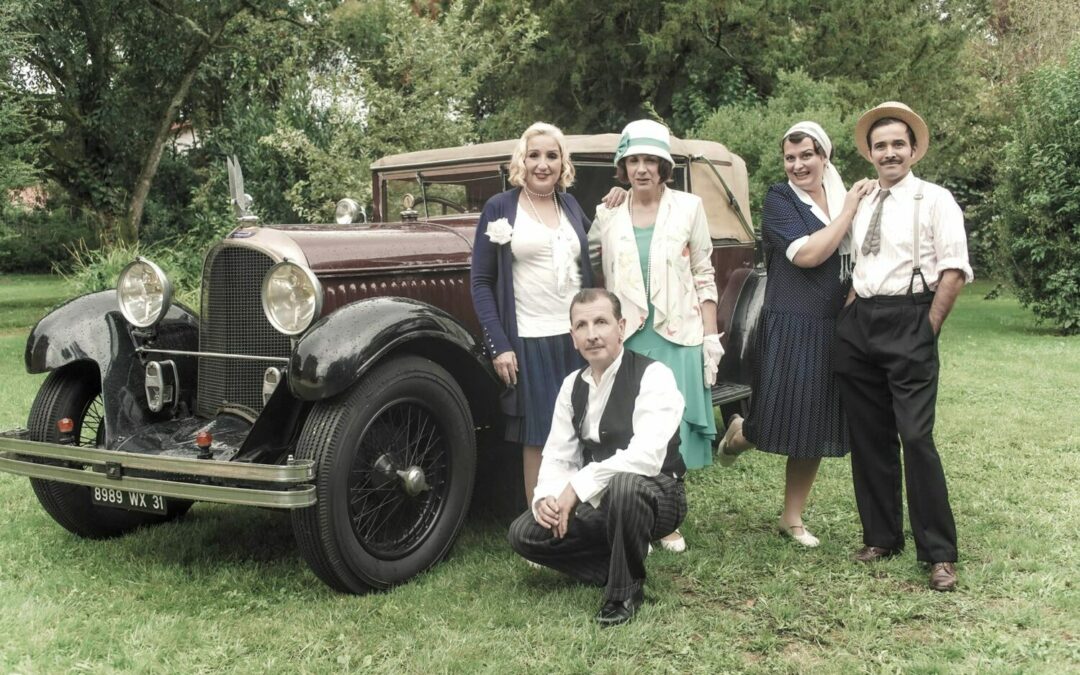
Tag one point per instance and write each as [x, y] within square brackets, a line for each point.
[462, 191]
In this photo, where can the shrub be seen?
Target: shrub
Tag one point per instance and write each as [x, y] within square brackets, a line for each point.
[181, 258]
[1038, 194]
[35, 240]
[753, 130]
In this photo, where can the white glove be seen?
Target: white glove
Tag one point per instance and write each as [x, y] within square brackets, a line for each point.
[711, 352]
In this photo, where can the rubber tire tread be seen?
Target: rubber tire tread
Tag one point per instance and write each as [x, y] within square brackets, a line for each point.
[67, 393]
[312, 526]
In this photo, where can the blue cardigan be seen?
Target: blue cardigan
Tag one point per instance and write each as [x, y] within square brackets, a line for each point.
[492, 278]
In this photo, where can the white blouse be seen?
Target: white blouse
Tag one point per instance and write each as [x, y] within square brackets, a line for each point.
[546, 274]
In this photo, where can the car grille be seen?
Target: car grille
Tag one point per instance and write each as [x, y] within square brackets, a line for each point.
[233, 322]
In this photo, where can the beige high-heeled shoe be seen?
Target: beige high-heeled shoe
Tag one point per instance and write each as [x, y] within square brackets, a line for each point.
[730, 448]
[803, 536]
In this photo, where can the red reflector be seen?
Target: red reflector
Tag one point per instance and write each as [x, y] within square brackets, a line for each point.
[65, 425]
[203, 439]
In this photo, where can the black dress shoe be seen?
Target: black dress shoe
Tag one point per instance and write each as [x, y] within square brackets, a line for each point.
[615, 612]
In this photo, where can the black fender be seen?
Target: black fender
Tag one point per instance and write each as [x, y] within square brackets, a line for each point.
[337, 351]
[737, 365]
[90, 332]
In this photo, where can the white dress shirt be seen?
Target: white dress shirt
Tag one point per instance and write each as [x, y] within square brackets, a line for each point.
[942, 240]
[658, 409]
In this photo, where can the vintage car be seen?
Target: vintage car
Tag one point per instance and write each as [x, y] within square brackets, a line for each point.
[332, 370]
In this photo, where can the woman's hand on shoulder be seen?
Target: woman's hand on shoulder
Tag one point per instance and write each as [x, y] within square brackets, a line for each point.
[860, 189]
[615, 197]
[506, 367]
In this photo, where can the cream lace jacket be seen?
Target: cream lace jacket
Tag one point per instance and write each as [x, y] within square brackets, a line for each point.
[680, 266]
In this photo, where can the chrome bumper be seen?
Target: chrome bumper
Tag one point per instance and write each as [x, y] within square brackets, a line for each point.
[286, 487]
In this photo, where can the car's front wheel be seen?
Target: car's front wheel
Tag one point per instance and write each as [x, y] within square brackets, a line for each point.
[395, 460]
[75, 392]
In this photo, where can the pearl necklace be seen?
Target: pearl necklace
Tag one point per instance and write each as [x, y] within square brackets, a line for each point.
[558, 212]
[539, 195]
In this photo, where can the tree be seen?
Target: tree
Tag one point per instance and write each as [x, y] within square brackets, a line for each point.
[753, 130]
[395, 79]
[110, 77]
[18, 144]
[602, 63]
[1038, 198]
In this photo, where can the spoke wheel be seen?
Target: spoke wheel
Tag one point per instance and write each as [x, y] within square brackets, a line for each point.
[75, 392]
[398, 479]
[395, 460]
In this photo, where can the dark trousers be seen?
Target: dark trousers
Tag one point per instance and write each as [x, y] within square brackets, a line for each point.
[886, 362]
[607, 546]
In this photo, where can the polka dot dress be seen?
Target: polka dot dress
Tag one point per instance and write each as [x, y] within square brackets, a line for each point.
[795, 409]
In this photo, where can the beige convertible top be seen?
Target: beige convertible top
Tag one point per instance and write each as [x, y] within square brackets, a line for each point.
[723, 221]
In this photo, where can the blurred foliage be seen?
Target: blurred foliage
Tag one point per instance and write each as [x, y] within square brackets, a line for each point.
[18, 143]
[753, 130]
[398, 82]
[34, 240]
[600, 63]
[1038, 198]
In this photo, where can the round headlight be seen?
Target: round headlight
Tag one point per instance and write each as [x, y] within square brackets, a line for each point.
[346, 211]
[144, 293]
[291, 297]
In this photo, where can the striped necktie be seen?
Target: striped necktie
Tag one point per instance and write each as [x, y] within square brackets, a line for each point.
[872, 243]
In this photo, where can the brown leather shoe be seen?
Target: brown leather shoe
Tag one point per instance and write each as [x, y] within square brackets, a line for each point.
[868, 554]
[943, 576]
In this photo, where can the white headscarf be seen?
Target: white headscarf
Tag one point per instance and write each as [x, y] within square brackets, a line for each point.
[832, 183]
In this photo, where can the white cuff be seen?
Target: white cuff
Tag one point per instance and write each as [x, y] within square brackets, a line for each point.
[793, 247]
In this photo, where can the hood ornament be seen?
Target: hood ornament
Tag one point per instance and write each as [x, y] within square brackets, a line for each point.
[240, 200]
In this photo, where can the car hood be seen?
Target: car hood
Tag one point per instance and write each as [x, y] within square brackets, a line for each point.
[335, 250]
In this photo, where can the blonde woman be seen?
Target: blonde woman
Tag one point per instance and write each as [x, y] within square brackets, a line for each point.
[529, 259]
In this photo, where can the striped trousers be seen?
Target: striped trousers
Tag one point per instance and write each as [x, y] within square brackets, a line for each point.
[606, 546]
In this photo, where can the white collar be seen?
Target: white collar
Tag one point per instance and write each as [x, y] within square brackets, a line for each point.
[805, 198]
[905, 184]
[609, 373]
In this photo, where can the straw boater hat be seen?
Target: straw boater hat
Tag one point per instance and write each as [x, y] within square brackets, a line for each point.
[900, 112]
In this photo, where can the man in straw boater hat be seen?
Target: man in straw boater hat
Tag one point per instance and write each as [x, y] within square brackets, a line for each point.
[911, 262]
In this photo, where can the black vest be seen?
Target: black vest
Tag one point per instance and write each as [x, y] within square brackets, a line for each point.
[616, 423]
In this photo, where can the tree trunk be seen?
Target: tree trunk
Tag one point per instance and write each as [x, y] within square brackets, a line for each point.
[130, 225]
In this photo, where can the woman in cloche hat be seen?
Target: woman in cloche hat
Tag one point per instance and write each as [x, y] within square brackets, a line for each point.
[657, 258]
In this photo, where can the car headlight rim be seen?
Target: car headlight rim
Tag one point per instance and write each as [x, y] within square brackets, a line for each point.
[277, 315]
[160, 299]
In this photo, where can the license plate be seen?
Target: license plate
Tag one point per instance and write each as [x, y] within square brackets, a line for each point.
[125, 499]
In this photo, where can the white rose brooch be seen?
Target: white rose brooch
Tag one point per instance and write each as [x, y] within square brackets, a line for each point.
[499, 231]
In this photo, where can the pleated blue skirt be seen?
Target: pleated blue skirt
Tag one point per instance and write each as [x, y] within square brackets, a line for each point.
[796, 404]
[543, 364]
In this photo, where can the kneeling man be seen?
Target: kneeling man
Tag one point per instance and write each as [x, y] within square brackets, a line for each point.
[611, 478]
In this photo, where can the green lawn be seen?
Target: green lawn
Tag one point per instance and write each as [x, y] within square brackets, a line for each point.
[225, 589]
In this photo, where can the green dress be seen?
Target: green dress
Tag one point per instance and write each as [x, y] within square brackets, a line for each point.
[698, 427]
